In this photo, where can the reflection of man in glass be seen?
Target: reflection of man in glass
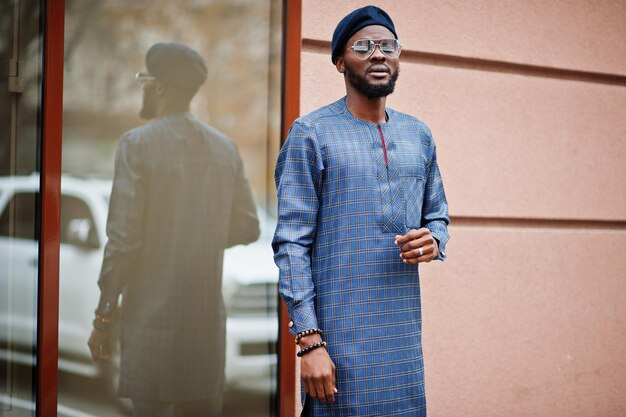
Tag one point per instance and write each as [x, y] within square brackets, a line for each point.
[360, 206]
[179, 199]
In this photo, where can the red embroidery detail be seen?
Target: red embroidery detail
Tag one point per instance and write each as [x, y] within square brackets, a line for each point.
[380, 130]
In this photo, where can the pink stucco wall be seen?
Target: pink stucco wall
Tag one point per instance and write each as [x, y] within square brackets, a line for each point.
[527, 103]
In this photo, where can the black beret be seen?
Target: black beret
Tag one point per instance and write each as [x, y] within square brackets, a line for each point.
[355, 21]
[176, 65]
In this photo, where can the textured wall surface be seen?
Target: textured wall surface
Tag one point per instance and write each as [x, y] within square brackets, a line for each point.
[527, 104]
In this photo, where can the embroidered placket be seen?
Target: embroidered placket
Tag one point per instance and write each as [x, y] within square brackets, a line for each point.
[391, 195]
[382, 137]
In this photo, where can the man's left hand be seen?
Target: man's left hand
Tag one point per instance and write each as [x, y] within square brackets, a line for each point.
[417, 246]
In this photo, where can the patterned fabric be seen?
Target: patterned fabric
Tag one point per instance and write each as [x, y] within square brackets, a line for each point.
[339, 209]
[179, 199]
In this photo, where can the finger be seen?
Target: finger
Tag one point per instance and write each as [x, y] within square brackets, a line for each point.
[308, 383]
[330, 396]
[319, 390]
[103, 354]
[421, 259]
[93, 348]
[426, 254]
[418, 252]
[405, 238]
[407, 246]
[94, 354]
[418, 242]
[333, 382]
[326, 389]
[313, 391]
[329, 386]
[410, 235]
[416, 234]
[329, 391]
[100, 351]
[422, 242]
[106, 351]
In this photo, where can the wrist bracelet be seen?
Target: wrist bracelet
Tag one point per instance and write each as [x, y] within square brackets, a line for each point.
[101, 325]
[308, 333]
[103, 319]
[309, 348]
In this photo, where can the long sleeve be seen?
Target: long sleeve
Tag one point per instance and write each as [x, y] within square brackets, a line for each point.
[435, 208]
[124, 223]
[244, 224]
[298, 180]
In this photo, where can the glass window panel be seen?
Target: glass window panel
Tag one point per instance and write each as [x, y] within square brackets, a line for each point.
[193, 327]
[20, 102]
[17, 218]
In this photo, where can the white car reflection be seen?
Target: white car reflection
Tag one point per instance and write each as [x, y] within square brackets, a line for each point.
[249, 284]
[251, 297]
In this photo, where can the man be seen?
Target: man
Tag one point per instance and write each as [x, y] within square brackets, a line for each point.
[179, 199]
[360, 205]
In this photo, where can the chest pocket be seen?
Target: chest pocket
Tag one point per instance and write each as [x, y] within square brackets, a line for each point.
[414, 186]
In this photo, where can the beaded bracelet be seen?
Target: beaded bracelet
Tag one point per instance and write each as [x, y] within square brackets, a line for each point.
[101, 326]
[307, 333]
[309, 348]
[102, 323]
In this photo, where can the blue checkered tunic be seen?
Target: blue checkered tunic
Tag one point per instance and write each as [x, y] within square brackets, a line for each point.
[342, 198]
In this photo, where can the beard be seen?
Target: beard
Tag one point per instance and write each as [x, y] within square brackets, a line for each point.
[371, 90]
[148, 105]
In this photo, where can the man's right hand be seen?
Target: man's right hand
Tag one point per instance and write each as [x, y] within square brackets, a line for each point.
[317, 371]
[101, 344]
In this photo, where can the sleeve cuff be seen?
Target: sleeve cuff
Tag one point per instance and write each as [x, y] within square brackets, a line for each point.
[442, 252]
[301, 320]
[442, 237]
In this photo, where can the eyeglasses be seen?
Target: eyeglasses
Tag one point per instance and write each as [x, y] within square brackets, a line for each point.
[364, 48]
[144, 76]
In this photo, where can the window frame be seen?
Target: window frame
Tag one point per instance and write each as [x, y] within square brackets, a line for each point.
[53, 17]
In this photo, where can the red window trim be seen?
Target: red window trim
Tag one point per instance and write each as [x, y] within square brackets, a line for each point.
[51, 142]
[292, 42]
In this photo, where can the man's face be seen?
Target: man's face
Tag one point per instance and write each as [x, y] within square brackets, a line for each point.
[149, 104]
[375, 76]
